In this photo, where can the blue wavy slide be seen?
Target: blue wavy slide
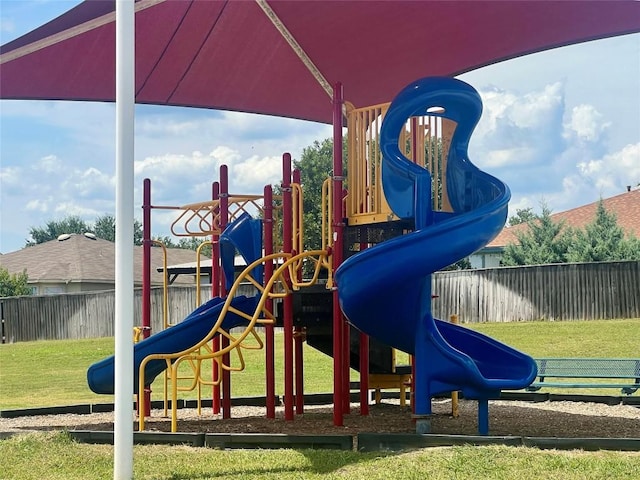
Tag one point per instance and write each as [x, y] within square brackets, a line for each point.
[243, 235]
[385, 291]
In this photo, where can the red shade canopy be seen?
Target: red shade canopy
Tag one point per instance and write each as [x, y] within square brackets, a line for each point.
[280, 57]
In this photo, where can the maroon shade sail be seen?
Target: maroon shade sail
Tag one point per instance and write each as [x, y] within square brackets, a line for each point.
[234, 55]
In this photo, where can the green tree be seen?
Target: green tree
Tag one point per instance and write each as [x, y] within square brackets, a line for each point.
[187, 243]
[165, 240]
[632, 248]
[545, 241]
[105, 227]
[192, 243]
[13, 285]
[462, 264]
[602, 240]
[315, 165]
[54, 228]
[523, 215]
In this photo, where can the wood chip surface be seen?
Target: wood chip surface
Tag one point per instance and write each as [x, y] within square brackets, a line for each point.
[543, 419]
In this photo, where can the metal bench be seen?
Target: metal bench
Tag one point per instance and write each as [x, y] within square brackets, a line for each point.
[623, 373]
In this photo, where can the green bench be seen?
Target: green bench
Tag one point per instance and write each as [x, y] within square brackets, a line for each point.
[623, 373]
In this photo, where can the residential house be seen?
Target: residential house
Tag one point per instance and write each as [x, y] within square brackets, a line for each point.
[625, 206]
[79, 263]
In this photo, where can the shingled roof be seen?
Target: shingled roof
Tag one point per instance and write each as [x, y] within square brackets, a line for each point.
[625, 206]
[80, 258]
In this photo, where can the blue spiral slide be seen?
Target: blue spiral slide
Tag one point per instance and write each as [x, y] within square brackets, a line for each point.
[385, 291]
[244, 235]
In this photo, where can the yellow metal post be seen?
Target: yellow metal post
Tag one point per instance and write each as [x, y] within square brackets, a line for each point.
[454, 395]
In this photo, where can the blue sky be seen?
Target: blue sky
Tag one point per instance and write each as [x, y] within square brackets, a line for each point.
[561, 126]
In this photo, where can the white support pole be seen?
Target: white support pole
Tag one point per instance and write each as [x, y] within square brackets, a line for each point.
[125, 106]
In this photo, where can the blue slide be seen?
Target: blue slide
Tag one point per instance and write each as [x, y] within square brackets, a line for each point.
[385, 291]
[244, 236]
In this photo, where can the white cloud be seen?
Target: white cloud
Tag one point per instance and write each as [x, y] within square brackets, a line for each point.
[160, 126]
[509, 157]
[502, 107]
[614, 171]
[38, 205]
[545, 152]
[586, 123]
[602, 177]
[521, 203]
[177, 179]
[519, 138]
[177, 166]
[532, 111]
[93, 183]
[182, 178]
[224, 155]
[72, 208]
[262, 126]
[49, 164]
[519, 131]
[10, 177]
[252, 174]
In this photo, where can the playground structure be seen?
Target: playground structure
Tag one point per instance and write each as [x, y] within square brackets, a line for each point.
[415, 204]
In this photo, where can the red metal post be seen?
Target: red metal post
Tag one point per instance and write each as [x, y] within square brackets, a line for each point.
[338, 394]
[146, 276]
[269, 341]
[298, 336]
[287, 302]
[215, 292]
[346, 345]
[346, 367]
[224, 219]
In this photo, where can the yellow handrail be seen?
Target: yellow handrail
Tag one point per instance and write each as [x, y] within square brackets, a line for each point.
[206, 242]
[206, 214]
[275, 287]
[326, 230]
[297, 224]
[203, 218]
[298, 218]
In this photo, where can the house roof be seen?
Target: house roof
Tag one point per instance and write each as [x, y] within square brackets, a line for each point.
[625, 206]
[80, 258]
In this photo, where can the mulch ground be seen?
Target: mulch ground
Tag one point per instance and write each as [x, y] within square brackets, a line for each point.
[547, 419]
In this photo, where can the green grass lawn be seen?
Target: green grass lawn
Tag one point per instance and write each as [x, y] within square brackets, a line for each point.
[48, 373]
[593, 338]
[54, 373]
[56, 457]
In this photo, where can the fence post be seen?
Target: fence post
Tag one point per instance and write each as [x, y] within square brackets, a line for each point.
[2, 319]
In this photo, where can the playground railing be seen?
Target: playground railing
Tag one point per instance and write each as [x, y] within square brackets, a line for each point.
[276, 287]
[203, 218]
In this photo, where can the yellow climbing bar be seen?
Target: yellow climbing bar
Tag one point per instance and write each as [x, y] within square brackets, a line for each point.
[276, 287]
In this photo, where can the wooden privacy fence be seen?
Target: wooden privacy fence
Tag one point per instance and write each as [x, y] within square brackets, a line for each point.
[546, 292]
[580, 291]
[90, 314]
